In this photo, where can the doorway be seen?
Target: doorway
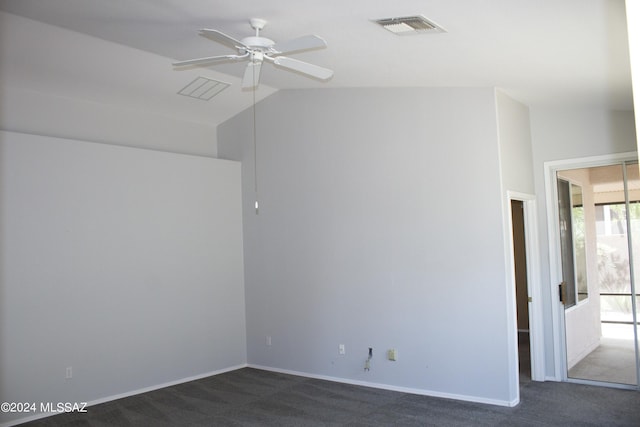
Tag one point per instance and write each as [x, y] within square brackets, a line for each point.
[522, 293]
[526, 287]
[598, 227]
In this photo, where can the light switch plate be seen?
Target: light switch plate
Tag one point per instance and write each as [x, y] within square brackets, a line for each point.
[392, 354]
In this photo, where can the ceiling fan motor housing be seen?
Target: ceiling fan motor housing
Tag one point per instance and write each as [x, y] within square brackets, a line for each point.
[257, 42]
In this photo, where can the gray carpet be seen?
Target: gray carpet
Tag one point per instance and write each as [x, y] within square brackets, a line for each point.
[251, 397]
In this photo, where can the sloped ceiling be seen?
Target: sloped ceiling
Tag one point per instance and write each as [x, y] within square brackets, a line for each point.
[544, 52]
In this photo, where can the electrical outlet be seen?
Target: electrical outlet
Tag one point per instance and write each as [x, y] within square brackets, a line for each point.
[69, 373]
[341, 349]
[269, 340]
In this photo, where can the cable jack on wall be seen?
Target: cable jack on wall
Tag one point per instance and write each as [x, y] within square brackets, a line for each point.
[367, 363]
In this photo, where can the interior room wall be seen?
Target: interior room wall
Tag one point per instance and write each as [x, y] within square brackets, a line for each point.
[563, 134]
[632, 9]
[516, 175]
[60, 83]
[122, 264]
[514, 131]
[380, 226]
[39, 113]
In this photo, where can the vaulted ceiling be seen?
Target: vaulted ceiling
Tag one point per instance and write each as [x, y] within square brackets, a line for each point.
[544, 52]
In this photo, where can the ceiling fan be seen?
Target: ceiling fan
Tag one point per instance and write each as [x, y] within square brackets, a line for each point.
[257, 49]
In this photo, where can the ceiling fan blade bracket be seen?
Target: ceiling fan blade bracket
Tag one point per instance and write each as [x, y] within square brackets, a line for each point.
[257, 56]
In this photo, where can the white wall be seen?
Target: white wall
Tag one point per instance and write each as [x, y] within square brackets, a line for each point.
[125, 264]
[562, 134]
[38, 113]
[515, 144]
[516, 172]
[381, 226]
[632, 9]
[56, 82]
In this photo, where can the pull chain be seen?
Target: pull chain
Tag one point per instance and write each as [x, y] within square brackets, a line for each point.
[255, 145]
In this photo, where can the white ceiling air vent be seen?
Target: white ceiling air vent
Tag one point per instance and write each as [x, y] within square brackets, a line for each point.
[410, 25]
[203, 88]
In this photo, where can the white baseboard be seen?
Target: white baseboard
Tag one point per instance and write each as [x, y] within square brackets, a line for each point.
[167, 384]
[130, 393]
[409, 390]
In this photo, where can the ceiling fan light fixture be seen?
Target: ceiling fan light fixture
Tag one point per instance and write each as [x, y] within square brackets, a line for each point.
[410, 25]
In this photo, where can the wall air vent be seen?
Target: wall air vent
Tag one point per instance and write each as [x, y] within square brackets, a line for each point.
[410, 25]
[203, 88]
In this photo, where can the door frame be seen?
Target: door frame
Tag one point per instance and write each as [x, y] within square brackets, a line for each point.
[555, 264]
[536, 327]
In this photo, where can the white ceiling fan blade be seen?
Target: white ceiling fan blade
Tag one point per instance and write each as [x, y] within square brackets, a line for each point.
[220, 37]
[304, 67]
[251, 75]
[207, 60]
[301, 43]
